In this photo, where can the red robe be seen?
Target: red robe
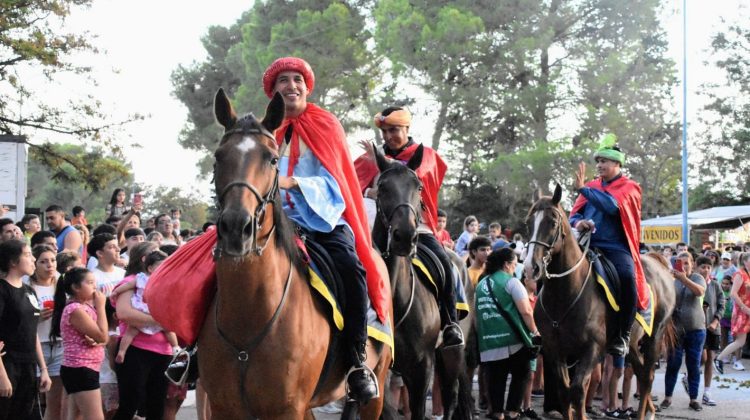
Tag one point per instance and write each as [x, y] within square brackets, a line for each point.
[324, 136]
[431, 172]
[628, 195]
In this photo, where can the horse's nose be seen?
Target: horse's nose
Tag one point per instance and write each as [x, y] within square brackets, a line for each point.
[401, 236]
[235, 228]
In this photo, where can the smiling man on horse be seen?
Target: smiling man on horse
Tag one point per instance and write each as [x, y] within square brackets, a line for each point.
[320, 196]
[610, 208]
[394, 123]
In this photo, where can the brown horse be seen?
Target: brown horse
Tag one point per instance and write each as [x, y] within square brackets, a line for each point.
[264, 342]
[571, 313]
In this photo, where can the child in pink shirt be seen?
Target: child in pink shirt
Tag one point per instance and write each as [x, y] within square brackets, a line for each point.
[82, 324]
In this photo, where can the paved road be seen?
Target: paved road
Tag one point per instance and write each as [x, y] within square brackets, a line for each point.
[731, 391]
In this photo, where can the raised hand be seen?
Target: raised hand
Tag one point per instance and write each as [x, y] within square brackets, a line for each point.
[580, 176]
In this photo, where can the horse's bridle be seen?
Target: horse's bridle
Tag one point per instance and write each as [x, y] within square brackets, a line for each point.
[547, 258]
[386, 220]
[259, 214]
[243, 352]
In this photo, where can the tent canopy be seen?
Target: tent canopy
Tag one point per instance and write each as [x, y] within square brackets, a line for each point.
[729, 217]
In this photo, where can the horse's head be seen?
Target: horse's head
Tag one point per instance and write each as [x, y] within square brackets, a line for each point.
[246, 175]
[548, 228]
[399, 202]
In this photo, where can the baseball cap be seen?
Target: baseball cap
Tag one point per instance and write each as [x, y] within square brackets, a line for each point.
[726, 256]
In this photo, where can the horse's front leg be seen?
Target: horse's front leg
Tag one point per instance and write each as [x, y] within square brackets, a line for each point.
[560, 371]
[449, 364]
[580, 381]
[417, 379]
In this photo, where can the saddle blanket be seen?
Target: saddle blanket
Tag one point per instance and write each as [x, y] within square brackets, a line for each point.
[607, 278]
[325, 288]
[424, 274]
[191, 270]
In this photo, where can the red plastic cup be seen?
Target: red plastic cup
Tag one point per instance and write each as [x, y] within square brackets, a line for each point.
[48, 304]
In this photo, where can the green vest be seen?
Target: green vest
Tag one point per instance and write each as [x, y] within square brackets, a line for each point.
[493, 330]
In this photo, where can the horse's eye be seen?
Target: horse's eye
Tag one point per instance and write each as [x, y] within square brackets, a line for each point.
[274, 161]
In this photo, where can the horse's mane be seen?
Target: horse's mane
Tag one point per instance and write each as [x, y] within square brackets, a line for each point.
[286, 235]
[659, 258]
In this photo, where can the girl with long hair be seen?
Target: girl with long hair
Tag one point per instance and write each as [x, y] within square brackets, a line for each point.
[79, 318]
[19, 315]
[117, 206]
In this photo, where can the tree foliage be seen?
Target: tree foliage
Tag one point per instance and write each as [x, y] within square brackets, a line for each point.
[723, 162]
[63, 187]
[194, 210]
[522, 88]
[36, 46]
[520, 83]
[330, 35]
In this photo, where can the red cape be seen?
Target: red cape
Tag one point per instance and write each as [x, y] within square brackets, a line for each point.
[431, 172]
[628, 195]
[324, 136]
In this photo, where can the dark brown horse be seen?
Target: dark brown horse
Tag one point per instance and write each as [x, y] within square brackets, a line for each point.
[416, 312]
[571, 313]
[265, 339]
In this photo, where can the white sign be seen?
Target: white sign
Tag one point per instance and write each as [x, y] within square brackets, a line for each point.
[13, 175]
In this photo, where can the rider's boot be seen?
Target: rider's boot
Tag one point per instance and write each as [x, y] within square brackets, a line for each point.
[361, 381]
[620, 345]
[452, 335]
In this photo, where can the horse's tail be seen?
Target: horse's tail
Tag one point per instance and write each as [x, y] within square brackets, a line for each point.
[659, 258]
[669, 337]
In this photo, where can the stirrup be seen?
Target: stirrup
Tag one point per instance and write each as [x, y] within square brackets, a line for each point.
[370, 373]
[181, 360]
[460, 335]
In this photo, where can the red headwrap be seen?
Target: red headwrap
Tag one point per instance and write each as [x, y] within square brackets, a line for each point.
[287, 64]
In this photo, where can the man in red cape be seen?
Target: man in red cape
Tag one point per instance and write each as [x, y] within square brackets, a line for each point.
[321, 196]
[394, 125]
[610, 207]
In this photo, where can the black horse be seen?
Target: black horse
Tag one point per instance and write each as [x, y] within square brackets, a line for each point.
[416, 312]
[571, 312]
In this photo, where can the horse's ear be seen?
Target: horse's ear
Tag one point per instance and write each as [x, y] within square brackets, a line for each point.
[557, 195]
[223, 110]
[536, 196]
[379, 158]
[274, 113]
[416, 158]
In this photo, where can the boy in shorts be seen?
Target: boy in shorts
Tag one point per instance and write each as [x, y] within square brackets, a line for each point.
[713, 306]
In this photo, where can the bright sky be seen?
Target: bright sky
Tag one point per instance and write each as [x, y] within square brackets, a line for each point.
[146, 40]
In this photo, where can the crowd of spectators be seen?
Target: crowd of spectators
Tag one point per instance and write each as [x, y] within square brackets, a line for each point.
[76, 338]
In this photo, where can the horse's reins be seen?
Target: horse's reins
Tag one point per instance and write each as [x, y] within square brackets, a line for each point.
[548, 246]
[386, 220]
[243, 356]
[263, 201]
[412, 276]
[547, 259]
